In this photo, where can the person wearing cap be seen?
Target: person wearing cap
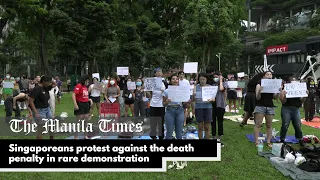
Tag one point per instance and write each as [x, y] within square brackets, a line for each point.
[156, 108]
[39, 103]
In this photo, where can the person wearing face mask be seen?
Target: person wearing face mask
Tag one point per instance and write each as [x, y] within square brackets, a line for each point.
[81, 101]
[218, 107]
[129, 97]
[309, 103]
[39, 103]
[264, 109]
[203, 109]
[7, 91]
[290, 112]
[112, 91]
[156, 108]
[139, 103]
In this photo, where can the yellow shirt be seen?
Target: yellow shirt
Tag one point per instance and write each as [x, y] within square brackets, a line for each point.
[16, 85]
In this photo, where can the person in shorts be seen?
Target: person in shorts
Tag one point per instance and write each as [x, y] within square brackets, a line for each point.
[95, 91]
[39, 103]
[203, 109]
[81, 101]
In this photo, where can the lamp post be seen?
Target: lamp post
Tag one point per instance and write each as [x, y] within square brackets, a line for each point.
[218, 56]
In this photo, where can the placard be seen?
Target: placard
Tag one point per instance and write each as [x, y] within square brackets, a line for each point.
[241, 84]
[209, 92]
[152, 84]
[296, 90]
[240, 74]
[271, 85]
[179, 93]
[8, 85]
[131, 85]
[122, 71]
[190, 67]
[96, 75]
[232, 84]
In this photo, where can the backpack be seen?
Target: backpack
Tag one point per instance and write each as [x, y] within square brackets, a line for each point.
[285, 149]
[312, 155]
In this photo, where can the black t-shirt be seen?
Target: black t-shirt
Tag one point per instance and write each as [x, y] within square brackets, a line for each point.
[122, 83]
[293, 102]
[41, 97]
[266, 100]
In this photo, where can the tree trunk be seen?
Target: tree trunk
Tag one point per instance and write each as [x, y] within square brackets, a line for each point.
[208, 56]
[203, 63]
[43, 50]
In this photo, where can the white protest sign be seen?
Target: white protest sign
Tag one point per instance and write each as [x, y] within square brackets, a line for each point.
[179, 93]
[191, 67]
[241, 74]
[232, 84]
[122, 71]
[8, 85]
[271, 85]
[131, 85]
[209, 92]
[296, 90]
[151, 84]
[96, 75]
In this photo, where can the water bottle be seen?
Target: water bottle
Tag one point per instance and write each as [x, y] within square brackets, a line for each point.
[260, 145]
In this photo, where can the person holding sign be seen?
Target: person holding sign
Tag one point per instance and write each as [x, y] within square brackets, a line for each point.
[112, 92]
[174, 115]
[232, 97]
[264, 109]
[203, 109]
[139, 99]
[128, 96]
[156, 107]
[95, 90]
[290, 112]
[309, 103]
[218, 107]
[7, 87]
[81, 101]
[186, 106]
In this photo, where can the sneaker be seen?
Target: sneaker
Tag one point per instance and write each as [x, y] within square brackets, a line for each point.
[219, 141]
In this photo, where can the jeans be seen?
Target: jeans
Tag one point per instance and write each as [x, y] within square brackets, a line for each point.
[290, 113]
[8, 104]
[174, 118]
[44, 113]
[140, 108]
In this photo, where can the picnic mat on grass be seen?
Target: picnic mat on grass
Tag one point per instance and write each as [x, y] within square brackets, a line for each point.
[289, 139]
[289, 169]
[315, 123]
[238, 118]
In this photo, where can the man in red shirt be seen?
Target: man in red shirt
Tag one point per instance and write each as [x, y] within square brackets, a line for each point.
[81, 101]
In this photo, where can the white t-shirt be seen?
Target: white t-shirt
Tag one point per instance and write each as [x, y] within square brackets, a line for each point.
[94, 92]
[184, 82]
[157, 99]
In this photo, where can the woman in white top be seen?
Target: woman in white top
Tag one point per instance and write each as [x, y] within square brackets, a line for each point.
[95, 90]
[52, 101]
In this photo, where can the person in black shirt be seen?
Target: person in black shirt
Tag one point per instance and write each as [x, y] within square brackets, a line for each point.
[309, 103]
[250, 99]
[11, 104]
[290, 112]
[39, 103]
[264, 109]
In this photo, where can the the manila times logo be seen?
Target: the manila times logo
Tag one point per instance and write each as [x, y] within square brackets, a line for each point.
[56, 126]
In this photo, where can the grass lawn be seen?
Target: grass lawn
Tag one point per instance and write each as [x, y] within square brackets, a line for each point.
[239, 158]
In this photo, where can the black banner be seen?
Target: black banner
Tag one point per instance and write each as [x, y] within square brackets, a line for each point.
[115, 154]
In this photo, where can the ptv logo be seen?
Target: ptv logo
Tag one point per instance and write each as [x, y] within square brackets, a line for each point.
[277, 49]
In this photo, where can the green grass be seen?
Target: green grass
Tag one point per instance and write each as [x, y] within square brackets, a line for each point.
[239, 158]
